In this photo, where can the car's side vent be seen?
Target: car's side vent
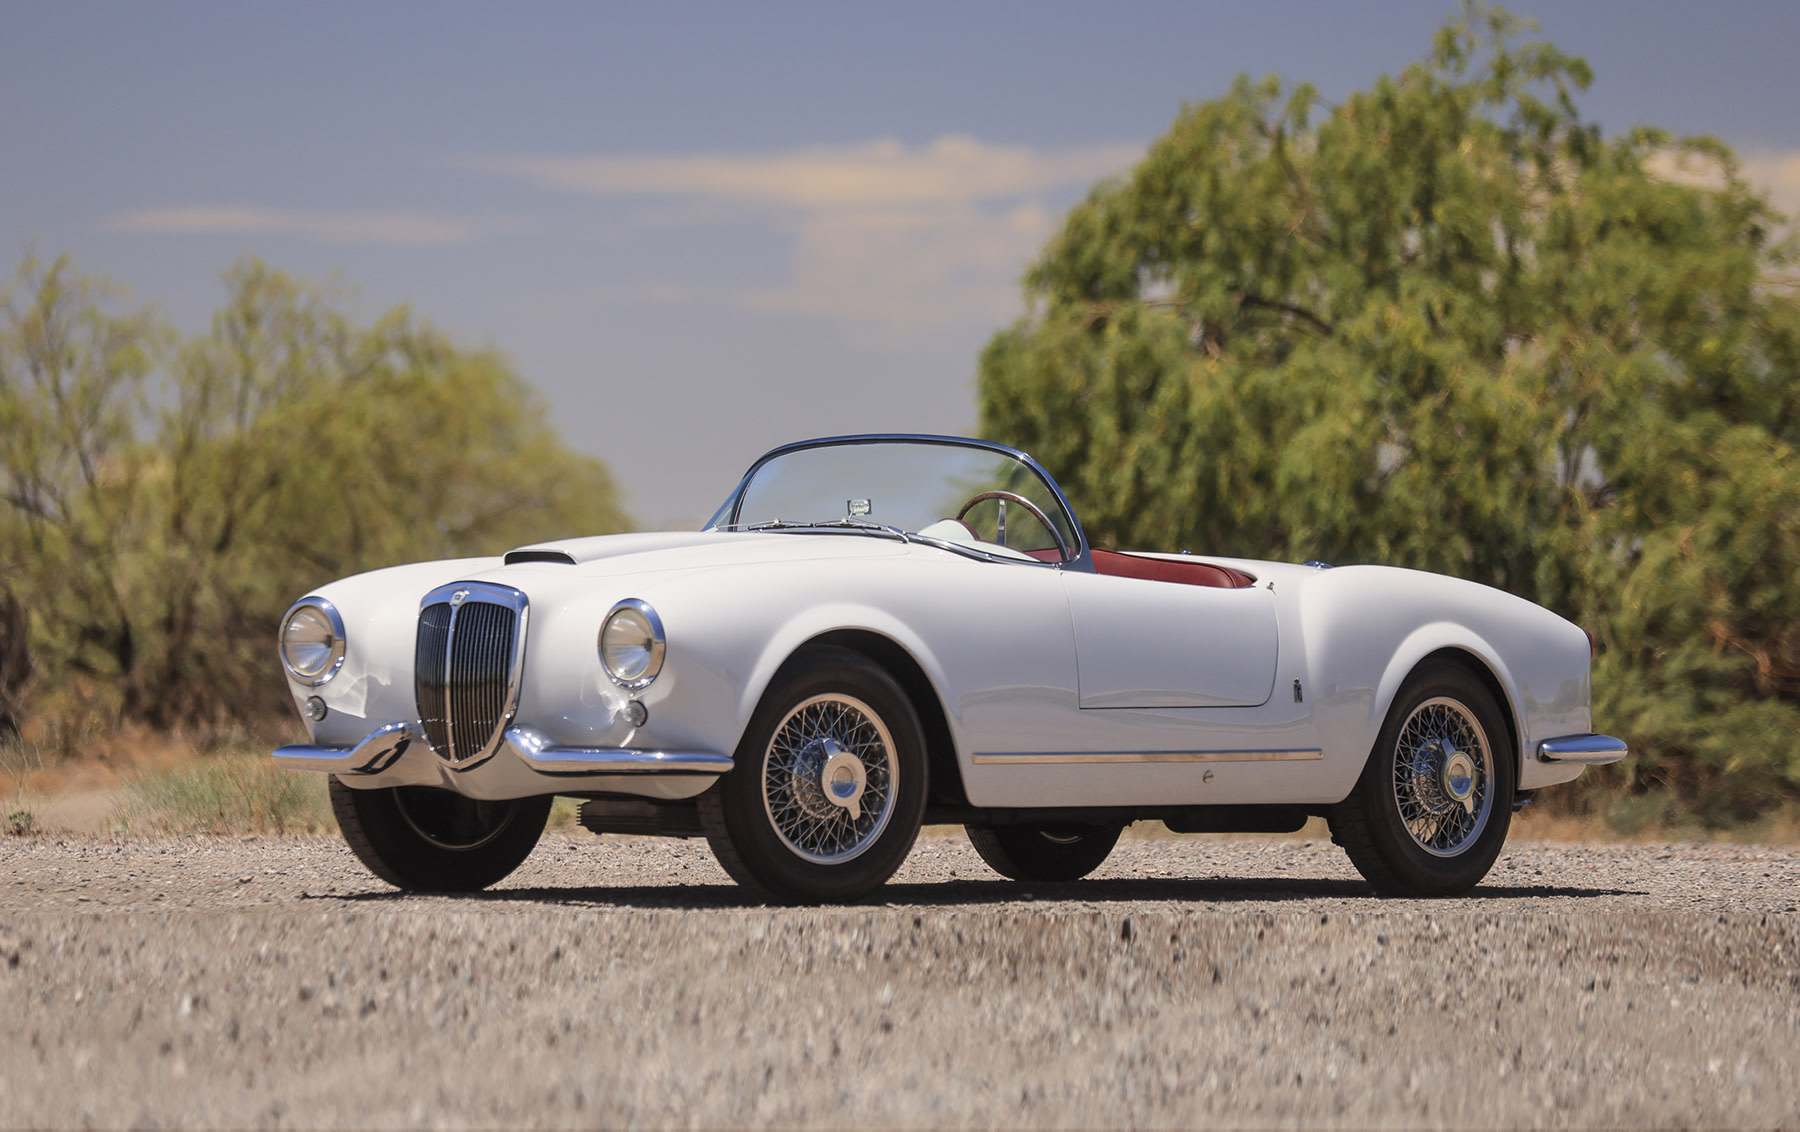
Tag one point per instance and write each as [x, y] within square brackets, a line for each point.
[514, 557]
[466, 665]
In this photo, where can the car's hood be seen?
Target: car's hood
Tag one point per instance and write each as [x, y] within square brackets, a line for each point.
[617, 555]
[579, 551]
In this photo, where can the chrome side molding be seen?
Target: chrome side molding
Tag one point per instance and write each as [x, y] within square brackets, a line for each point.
[1018, 758]
[1582, 750]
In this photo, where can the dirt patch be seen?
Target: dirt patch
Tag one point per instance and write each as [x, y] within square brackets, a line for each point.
[271, 982]
[79, 811]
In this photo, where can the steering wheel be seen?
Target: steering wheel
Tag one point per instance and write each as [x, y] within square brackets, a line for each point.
[1005, 497]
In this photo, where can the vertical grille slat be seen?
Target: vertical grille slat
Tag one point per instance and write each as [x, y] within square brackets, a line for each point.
[465, 667]
[428, 672]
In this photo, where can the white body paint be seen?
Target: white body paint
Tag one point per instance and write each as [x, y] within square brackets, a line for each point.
[1059, 687]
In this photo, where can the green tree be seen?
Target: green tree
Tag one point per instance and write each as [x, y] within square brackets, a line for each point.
[157, 529]
[72, 378]
[1446, 324]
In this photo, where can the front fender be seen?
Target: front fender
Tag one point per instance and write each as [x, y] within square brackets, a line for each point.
[810, 624]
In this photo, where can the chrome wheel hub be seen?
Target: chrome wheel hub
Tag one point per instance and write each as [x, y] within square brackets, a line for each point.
[1443, 777]
[1459, 778]
[829, 779]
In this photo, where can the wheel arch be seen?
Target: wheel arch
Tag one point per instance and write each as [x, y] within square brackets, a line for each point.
[1475, 665]
[899, 663]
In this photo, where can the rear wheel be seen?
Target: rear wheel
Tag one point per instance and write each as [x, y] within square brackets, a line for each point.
[1430, 813]
[421, 837]
[1057, 852]
[829, 787]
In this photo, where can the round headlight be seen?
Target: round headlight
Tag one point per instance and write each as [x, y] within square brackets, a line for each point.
[631, 643]
[312, 641]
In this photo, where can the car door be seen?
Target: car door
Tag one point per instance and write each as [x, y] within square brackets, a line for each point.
[1158, 644]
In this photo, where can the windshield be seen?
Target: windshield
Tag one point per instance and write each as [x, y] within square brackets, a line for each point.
[982, 498]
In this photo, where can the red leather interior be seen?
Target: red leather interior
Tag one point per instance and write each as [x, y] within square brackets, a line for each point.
[1165, 570]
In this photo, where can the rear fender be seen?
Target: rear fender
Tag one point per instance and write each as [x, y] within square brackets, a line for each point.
[1441, 637]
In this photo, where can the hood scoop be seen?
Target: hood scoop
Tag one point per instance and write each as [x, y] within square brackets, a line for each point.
[581, 551]
[561, 557]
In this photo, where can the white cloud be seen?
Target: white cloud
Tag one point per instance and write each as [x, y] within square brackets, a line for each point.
[1773, 172]
[404, 228]
[891, 272]
[953, 170]
[889, 240]
[1778, 174]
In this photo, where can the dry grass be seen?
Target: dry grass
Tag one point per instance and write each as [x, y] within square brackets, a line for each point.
[233, 793]
[246, 793]
[20, 760]
[1618, 824]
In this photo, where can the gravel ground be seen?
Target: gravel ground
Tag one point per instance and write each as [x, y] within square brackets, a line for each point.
[620, 981]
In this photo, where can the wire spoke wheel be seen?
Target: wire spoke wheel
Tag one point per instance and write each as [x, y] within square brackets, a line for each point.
[433, 840]
[829, 784]
[1430, 812]
[1048, 852]
[829, 778]
[450, 821]
[1443, 777]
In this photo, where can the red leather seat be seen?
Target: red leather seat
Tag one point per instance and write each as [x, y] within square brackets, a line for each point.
[1167, 570]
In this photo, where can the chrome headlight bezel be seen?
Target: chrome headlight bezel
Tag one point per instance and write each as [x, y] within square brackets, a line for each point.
[335, 648]
[639, 615]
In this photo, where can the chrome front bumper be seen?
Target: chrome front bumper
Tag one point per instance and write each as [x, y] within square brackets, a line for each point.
[527, 763]
[1582, 750]
[536, 751]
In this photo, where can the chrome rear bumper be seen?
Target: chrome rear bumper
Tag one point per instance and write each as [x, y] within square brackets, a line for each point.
[1582, 750]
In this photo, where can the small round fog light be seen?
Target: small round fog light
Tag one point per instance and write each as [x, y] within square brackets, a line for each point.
[636, 713]
[315, 709]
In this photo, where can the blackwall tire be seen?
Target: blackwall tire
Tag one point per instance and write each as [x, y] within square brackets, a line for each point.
[829, 787]
[431, 840]
[1060, 852]
[1430, 813]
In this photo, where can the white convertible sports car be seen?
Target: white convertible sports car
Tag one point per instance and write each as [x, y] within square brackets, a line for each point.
[875, 632]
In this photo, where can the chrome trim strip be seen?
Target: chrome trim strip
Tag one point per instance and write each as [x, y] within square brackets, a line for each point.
[1582, 750]
[1025, 757]
[377, 751]
[536, 751]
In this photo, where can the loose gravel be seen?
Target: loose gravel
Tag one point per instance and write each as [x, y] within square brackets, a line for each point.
[622, 981]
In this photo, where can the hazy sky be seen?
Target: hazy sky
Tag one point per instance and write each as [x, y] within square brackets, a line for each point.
[705, 229]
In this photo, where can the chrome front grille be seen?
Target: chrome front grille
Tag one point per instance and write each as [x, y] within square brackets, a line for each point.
[470, 648]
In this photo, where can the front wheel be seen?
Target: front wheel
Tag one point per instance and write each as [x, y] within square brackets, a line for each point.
[421, 837]
[1055, 852]
[1430, 813]
[829, 784]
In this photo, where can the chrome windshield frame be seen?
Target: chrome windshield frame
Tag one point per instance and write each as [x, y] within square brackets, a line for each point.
[726, 517]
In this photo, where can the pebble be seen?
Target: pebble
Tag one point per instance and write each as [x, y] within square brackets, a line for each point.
[625, 981]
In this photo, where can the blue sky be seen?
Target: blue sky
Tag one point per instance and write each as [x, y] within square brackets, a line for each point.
[701, 230]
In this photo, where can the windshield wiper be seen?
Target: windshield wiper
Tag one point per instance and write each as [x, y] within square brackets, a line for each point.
[858, 525]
